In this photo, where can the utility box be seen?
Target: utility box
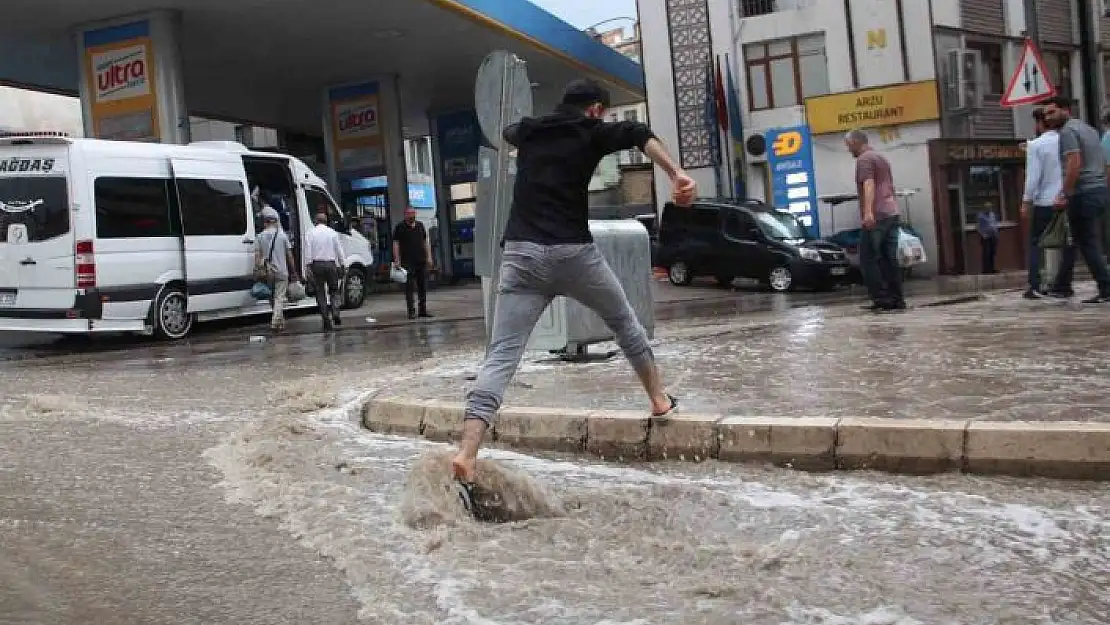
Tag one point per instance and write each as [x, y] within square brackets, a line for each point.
[568, 326]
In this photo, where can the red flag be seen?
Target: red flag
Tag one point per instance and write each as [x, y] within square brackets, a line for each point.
[722, 101]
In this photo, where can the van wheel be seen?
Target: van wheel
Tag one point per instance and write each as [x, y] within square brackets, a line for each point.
[354, 288]
[724, 281]
[172, 320]
[780, 279]
[679, 274]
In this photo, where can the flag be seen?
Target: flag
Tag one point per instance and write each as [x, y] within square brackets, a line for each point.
[735, 119]
[721, 100]
[711, 113]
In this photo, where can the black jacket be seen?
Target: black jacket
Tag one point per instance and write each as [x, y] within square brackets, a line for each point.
[557, 155]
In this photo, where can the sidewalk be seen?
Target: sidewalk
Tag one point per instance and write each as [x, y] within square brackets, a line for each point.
[998, 365]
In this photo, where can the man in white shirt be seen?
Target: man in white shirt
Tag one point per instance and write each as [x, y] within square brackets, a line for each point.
[1044, 178]
[325, 258]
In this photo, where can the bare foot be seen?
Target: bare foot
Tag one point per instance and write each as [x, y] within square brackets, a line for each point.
[662, 407]
[464, 467]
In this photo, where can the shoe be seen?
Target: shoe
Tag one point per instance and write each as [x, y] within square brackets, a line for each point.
[1098, 299]
[1032, 294]
[425, 315]
[412, 315]
[1061, 294]
[871, 307]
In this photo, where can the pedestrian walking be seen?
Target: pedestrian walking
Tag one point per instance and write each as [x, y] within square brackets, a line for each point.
[882, 222]
[1043, 180]
[412, 251]
[274, 254]
[1083, 195]
[326, 260]
[987, 227]
[549, 251]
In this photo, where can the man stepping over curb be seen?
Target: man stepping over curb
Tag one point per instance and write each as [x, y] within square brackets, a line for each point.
[549, 251]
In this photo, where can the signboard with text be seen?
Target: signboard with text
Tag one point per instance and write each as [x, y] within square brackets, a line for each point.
[793, 184]
[356, 130]
[873, 108]
[120, 70]
[459, 138]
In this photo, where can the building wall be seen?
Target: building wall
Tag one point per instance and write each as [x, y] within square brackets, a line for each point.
[39, 112]
[876, 66]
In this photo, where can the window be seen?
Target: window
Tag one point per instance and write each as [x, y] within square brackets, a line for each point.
[785, 72]
[318, 200]
[987, 189]
[40, 203]
[736, 226]
[213, 207]
[134, 207]
[991, 55]
[1059, 71]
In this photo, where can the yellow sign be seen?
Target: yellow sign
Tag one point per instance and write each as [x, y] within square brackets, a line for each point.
[876, 39]
[356, 129]
[787, 144]
[119, 65]
[873, 108]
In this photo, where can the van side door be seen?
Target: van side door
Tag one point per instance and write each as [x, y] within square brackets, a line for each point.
[745, 252]
[217, 232]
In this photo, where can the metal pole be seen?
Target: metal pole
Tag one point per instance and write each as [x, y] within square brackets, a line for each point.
[1032, 30]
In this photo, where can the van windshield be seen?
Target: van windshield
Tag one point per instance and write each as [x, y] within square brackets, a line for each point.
[780, 225]
[39, 203]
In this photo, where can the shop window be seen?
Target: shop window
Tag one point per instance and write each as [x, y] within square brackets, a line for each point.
[989, 188]
[993, 77]
[785, 72]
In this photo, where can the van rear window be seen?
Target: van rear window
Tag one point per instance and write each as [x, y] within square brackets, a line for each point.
[39, 203]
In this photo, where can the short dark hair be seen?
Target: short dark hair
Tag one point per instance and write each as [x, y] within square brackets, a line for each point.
[1059, 101]
[585, 92]
[1038, 114]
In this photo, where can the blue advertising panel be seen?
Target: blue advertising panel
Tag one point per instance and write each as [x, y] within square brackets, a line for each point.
[459, 138]
[793, 183]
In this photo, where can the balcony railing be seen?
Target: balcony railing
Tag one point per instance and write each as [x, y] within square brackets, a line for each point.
[751, 8]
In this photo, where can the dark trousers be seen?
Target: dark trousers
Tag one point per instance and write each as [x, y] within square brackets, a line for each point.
[990, 251]
[1042, 216]
[325, 278]
[1086, 210]
[417, 284]
[878, 259]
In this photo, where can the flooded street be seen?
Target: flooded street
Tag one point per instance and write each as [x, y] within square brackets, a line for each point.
[229, 482]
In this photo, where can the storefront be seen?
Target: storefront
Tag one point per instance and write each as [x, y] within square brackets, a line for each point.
[971, 176]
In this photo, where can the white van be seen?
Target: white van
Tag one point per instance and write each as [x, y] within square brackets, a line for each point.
[112, 236]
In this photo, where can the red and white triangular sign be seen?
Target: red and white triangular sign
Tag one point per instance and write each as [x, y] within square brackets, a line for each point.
[1030, 82]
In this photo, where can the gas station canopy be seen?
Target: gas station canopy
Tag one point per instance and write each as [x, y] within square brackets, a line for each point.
[267, 62]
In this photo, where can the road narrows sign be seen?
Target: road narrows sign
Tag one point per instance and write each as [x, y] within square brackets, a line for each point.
[1030, 82]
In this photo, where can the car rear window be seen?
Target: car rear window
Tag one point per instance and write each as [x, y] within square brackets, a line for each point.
[40, 203]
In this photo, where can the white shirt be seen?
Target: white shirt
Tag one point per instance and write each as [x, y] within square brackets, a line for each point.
[1044, 177]
[322, 244]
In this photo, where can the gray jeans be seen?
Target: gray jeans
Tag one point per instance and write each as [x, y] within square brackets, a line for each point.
[531, 276]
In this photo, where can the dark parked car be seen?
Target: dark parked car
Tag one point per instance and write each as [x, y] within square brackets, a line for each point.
[746, 239]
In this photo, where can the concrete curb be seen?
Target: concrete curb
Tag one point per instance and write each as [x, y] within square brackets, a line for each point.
[908, 446]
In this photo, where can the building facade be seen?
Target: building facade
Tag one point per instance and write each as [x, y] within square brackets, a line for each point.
[609, 171]
[924, 78]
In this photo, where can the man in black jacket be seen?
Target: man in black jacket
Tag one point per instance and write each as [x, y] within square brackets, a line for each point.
[549, 251]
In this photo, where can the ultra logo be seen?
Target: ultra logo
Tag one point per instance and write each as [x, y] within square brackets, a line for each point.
[357, 120]
[121, 74]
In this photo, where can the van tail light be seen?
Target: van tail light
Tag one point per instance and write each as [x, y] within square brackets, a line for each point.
[85, 262]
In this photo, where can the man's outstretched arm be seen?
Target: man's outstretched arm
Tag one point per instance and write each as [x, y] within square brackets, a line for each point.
[685, 189]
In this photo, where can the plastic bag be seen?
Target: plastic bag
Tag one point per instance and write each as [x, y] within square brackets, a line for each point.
[910, 249]
[295, 292]
[261, 291]
[1057, 235]
[399, 275]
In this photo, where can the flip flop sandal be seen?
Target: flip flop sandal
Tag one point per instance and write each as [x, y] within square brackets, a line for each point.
[484, 505]
[669, 412]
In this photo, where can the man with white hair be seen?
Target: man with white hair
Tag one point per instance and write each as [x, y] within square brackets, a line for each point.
[272, 249]
[881, 221]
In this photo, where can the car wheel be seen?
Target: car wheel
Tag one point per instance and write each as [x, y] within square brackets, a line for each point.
[725, 281]
[354, 288]
[172, 320]
[679, 274]
[780, 279]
